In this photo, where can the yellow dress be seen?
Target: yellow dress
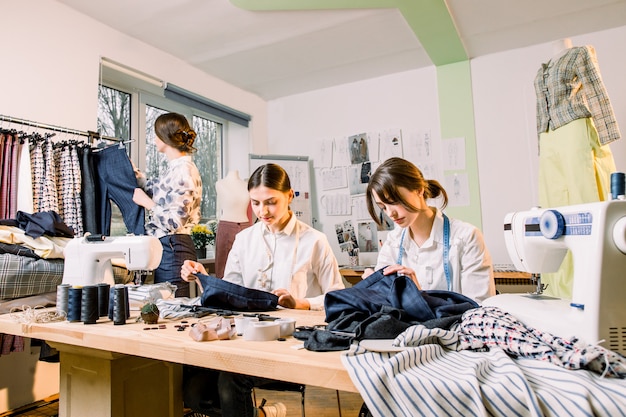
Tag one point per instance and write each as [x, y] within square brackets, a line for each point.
[574, 168]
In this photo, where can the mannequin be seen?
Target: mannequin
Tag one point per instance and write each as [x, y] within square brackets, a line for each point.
[232, 198]
[560, 47]
[575, 161]
[233, 203]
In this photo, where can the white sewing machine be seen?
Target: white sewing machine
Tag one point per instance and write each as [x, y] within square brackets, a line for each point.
[88, 258]
[537, 241]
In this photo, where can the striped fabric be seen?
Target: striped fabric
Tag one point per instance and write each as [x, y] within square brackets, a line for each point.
[431, 376]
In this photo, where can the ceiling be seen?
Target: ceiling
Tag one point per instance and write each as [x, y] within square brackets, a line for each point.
[275, 48]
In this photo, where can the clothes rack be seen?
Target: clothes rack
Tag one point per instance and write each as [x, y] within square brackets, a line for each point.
[91, 135]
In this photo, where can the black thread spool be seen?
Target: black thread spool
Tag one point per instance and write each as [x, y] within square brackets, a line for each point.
[103, 299]
[120, 303]
[111, 302]
[63, 291]
[74, 303]
[617, 186]
[89, 305]
[127, 298]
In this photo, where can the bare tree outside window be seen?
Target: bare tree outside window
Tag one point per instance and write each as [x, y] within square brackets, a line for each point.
[114, 109]
[114, 113]
[209, 162]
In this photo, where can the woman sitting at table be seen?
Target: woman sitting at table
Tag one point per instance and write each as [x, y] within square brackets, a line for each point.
[279, 254]
[436, 252]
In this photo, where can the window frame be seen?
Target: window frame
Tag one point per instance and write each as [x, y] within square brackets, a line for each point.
[139, 100]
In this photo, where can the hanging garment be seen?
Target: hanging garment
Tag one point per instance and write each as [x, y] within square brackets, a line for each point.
[574, 168]
[24, 180]
[117, 183]
[69, 186]
[37, 173]
[89, 192]
[575, 123]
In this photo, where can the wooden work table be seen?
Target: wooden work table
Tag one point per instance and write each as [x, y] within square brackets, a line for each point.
[126, 370]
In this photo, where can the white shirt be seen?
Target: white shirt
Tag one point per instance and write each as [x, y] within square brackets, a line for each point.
[298, 258]
[471, 267]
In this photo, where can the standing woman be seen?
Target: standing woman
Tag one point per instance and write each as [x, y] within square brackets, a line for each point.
[173, 200]
[434, 251]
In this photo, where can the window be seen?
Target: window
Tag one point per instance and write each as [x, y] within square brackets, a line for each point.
[129, 113]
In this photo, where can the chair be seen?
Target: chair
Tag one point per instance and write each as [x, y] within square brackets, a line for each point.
[292, 387]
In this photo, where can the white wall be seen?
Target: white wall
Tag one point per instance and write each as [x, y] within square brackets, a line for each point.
[298, 123]
[504, 105]
[50, 71]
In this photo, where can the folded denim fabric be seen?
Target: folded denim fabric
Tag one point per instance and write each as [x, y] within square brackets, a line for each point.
[218, 293]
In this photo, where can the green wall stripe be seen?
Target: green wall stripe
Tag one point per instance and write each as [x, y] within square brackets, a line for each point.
[456, 118]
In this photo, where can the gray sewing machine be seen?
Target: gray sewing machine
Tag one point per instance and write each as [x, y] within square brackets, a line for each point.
[88, 258]
[537, 241]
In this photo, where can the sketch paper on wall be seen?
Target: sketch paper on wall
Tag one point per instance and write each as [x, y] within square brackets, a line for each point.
[373, 139]
[360, 207]
[359, 148]
[457, 187]
[357, 174]
[346, 236]
[390, 144]
[368, 237]
[324, 153]
[341, 156]
[417, 145]
[453, 154]
[333, 178]
[336, 204]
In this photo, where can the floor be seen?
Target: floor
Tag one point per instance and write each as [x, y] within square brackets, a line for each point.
[48, 407]
[319, 402]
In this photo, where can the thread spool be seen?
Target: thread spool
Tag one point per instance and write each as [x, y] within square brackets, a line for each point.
[89, 304]
[118, 304]
[617, 186]
[103, 299]
[74, 303]
[62, 298]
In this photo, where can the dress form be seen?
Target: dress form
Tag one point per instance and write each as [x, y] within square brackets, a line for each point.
[232, 198]
[560, 47]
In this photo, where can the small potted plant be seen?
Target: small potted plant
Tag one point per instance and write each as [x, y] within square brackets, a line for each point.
[150, 313]
[200, 234]
[203, 235]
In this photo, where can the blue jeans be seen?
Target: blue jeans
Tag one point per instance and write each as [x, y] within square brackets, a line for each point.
[176, 249]
[117, 182]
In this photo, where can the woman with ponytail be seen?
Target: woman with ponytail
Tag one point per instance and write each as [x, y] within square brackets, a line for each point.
[173, 200]
[436, 252]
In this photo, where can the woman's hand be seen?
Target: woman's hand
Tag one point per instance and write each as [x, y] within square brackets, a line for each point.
[367, 272]
[189, 270]
[402, 270]
[142, 199]
[288, 301]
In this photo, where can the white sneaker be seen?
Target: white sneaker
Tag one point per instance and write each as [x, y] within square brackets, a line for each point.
[274, 410]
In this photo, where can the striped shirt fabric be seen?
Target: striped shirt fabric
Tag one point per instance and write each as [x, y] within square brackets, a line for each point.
[436, 372]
